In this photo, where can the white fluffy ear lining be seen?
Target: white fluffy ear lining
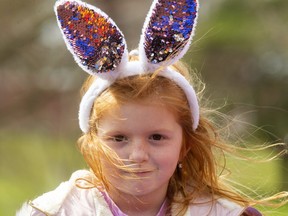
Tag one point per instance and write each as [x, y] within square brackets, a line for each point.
[168, 31]
[95, 41]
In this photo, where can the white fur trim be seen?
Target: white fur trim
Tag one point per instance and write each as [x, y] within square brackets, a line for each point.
[50, 203]
[142, 55]
[135, 68]
[208, 206]
[88, 99]
[25, 210]
[69, 200]
[189, 91]
[228, 204]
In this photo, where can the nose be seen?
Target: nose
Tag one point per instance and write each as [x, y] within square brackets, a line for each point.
[139, 151]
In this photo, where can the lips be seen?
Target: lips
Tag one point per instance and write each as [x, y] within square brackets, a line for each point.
[143, 173]
[139, 172]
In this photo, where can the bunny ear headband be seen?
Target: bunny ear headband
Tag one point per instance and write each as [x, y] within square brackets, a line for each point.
[99, 47]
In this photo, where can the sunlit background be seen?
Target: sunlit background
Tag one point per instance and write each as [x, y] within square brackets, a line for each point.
[240, 50]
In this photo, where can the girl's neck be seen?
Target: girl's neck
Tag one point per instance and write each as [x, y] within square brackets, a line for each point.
[142, 206]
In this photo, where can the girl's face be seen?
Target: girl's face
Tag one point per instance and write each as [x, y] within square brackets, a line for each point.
[148, 138]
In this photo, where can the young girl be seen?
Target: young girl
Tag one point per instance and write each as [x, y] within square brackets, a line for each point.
[151, 149]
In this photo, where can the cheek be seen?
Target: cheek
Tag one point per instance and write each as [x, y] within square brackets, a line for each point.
[168, 159]
[109, 170]
[119, 152]
[111, 164]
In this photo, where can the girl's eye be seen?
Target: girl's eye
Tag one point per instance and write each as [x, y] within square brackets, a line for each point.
[119, 138]
[156, 137]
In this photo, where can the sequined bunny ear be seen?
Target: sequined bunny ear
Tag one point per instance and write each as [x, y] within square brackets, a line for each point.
[167, 31]
[97, 44]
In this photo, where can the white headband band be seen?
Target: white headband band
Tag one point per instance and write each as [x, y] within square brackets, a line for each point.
[99, 47]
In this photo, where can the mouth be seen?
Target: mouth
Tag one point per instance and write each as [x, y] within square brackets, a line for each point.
[140, 173]
[143, 172]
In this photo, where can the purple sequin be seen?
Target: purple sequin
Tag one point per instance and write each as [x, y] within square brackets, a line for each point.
[250, 211]
[93, 38]
[169, 29]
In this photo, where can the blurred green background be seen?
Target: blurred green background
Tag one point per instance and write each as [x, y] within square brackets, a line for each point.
[240, 50]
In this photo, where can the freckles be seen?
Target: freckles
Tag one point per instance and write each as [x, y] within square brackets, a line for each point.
[121, 153]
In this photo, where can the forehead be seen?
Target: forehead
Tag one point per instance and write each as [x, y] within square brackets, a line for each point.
[142, 90]
[148, 115]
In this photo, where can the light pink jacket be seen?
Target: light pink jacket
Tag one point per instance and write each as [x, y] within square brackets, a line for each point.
[70, 200]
